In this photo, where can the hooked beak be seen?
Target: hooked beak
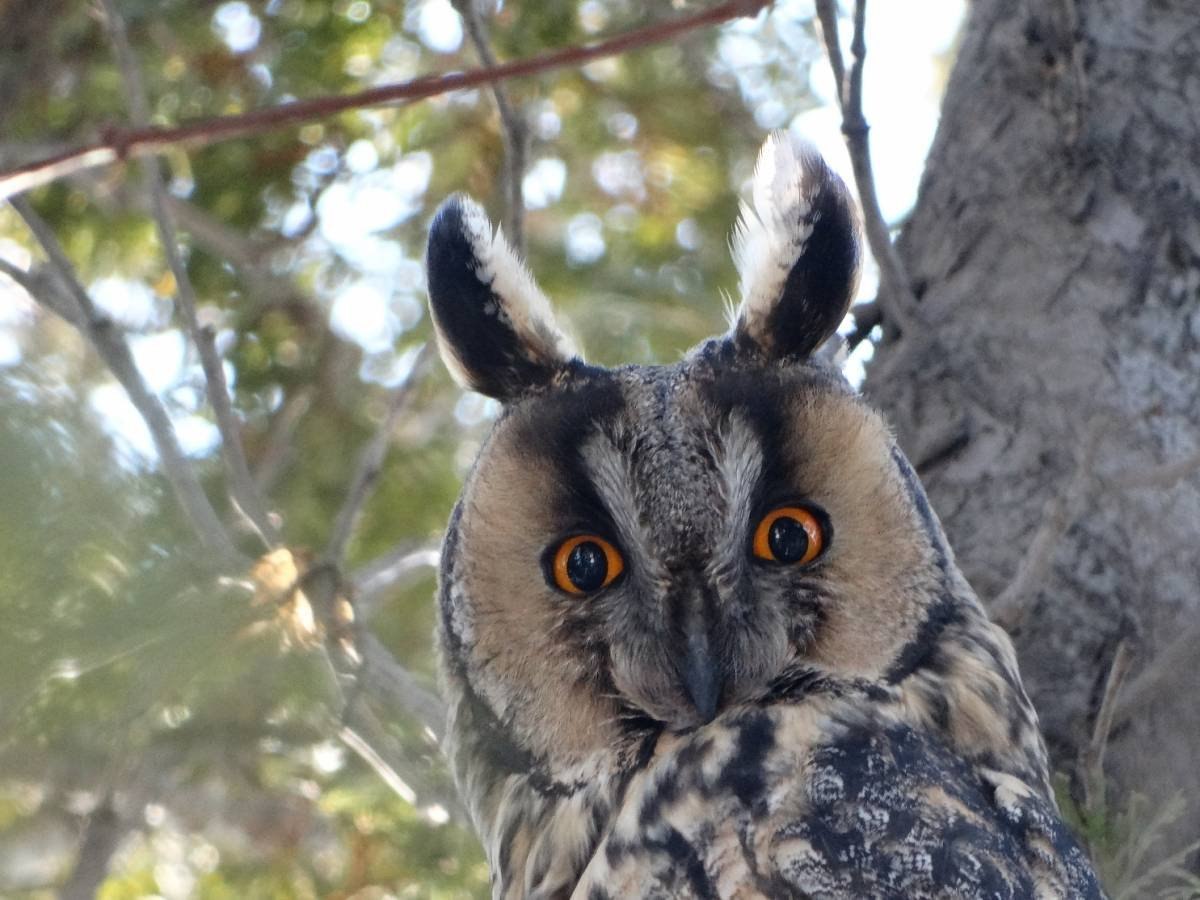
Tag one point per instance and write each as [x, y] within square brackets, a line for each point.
[702, 676]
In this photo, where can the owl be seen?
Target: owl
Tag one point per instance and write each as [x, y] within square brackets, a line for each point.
[701, 634]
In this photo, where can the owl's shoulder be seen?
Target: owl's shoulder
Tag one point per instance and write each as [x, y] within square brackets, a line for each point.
[832, 799]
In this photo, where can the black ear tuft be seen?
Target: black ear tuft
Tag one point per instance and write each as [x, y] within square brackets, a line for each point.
[797, 251]
[495, 328]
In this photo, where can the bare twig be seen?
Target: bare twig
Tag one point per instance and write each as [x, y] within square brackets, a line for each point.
[365, 676]
[247, 252]
[377, 578]
[58, 260]
[360, 666]
[1092, 762]
[46, 290]
[129, 143]
[274, 458]
[896, 298]
[1161, 477]
[17, 274]
[371, 462]
[110, 343]
[243, 491]
[385, 678]
[827, 16]
[101, 836]
[866, 317]
[512, 126]
[1179, 656]
[370, 740]
[241, 250]
[1008, 610]
[365, 748]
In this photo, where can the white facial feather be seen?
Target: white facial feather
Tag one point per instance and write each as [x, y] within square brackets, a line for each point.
[524, 306]
[772, 232]
[610, 473]
[739, 460]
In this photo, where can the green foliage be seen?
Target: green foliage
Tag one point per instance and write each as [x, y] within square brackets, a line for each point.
[131, 672]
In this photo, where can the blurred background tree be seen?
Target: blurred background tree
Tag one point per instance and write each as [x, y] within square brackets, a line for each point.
[220, 698]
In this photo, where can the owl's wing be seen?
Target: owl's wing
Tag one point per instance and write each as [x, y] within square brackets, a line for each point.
[791, 802]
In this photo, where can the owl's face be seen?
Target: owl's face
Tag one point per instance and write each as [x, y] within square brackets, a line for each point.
[655, 545]
[646, 547]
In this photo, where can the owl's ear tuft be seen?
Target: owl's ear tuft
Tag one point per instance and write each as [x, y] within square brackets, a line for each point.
[797, 253]
[494, 326]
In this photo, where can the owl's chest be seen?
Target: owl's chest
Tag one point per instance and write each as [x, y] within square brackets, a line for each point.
[798, 801]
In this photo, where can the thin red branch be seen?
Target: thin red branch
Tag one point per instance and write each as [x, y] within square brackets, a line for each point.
[125, 143]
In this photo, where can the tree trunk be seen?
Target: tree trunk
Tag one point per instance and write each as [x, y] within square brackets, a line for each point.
[1056, 247]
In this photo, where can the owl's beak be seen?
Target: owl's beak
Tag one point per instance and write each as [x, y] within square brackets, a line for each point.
[702, 676]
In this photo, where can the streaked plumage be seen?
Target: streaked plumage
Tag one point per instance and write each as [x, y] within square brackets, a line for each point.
[708, 713]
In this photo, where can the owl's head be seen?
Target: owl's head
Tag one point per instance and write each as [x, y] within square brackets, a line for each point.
[642, 548]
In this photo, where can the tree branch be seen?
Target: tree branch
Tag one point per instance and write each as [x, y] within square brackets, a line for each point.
[827, 16]
[512, 126]
[247, 253]
[1178, 656]
[110, 343]
[374, 580]
[45, 291]
[370, 463]
[353, 653]
[370, 740]
[1092, 762]
[365, 748]
[278, 445]
[363, 669]
[242, 488]
[360, 666]
[101, 836]
[866, 317]
[129, 143]
[384, 677]
[1008, 610]
[1159, 477]
[896, 298]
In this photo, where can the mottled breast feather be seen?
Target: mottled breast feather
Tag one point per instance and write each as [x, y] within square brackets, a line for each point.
[833, 798]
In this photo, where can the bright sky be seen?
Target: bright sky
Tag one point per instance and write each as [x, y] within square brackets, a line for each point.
[386, 299]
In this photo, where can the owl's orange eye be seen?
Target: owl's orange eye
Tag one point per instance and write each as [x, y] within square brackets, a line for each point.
[585, 563]
[789, 534]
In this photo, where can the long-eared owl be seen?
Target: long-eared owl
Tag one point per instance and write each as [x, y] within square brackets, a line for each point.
[701, 633]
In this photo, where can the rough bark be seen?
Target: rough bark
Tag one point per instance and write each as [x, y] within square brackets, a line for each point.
[1056, 245]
